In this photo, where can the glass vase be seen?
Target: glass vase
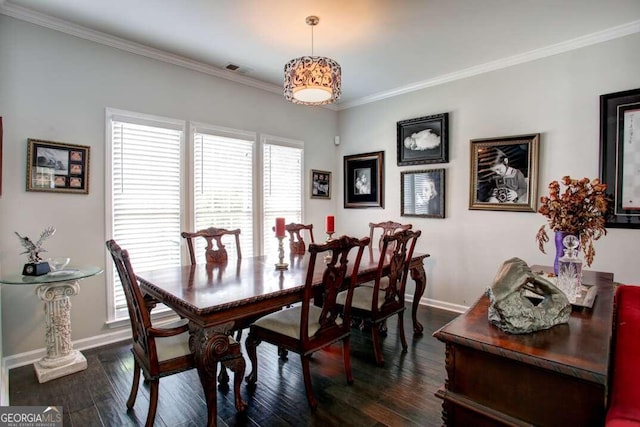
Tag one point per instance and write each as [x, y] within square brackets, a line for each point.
[570, 269]
[559, 236]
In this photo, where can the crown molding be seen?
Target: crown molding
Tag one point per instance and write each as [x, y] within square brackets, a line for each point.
[66, 27]
[533, 55]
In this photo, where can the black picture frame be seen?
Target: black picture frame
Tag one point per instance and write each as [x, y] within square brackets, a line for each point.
[422, 193]
[513, 189]
[57, 167]
[364, 180]
[619, 148]
[320, 184]
[423, 140]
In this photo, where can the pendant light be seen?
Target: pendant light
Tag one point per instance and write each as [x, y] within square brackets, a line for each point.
[312, 80]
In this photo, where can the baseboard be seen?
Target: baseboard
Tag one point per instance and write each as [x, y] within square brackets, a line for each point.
[4, 384]
[22, 359]
[443, 305]
[438, 304]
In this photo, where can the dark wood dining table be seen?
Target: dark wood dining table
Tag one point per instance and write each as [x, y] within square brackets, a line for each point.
[218, 299]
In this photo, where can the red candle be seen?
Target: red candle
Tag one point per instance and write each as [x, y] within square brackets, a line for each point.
[330, 224]
[279, 227]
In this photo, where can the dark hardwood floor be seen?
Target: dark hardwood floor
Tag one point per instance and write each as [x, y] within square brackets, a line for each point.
[399, 394]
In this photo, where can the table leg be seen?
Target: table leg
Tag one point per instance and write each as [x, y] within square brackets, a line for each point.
[210, 347]
[61, 358]
[420, 277]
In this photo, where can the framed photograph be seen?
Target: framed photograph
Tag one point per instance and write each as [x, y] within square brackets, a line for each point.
[423, 140]
[422, 193]
[504, 173]
[620, 156]
[57, 167]
[320, 184]
[364, 180]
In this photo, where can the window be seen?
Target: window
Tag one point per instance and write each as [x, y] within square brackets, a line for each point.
[282, 192]
[223, 165]
[227, 180]
[145, 201]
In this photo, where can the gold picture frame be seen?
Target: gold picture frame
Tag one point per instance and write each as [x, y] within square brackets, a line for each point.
[57, 167]
[504, 173]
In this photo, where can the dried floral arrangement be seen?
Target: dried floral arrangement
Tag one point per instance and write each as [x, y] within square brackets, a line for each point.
[34, 249]
[579, 210]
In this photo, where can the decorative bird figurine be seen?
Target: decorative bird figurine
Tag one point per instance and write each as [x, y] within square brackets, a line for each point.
[34, 249]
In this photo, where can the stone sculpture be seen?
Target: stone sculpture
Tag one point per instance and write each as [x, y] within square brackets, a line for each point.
[511, 311]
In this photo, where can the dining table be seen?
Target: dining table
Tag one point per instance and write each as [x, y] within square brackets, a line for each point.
[218, 299]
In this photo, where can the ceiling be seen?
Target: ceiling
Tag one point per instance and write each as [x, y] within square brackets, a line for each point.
[384, 47]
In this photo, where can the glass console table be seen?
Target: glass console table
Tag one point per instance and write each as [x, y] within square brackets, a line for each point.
[55, 289]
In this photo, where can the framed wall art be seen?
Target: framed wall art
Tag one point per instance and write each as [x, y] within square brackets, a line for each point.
[423, 140]
[364, 180]
[422, 193]
[620, 156]
[57, 167]
[320, 184]
[504, 173]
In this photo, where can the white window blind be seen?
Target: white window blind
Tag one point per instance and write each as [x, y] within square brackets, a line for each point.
[223, 189]
[232, 184]
[146, 195]
[282, 187]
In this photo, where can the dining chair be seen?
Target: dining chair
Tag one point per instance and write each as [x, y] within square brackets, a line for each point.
[306, 328]
[216, 254]
[157, 351]
[213, 236]
[296, 241]
[376, 304]
[385, 228]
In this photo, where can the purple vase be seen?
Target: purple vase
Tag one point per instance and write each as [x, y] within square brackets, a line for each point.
[559, 236]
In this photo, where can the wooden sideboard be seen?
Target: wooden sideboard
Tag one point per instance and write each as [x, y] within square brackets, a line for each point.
[554, 377]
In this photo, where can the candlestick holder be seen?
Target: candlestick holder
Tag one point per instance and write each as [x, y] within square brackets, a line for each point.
[328, 256]
[281, 265]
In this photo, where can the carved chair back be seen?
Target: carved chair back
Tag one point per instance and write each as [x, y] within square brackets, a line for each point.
[333, 281]
[398, 248]
[139, 307]
[385, 228]
[215, 250]
[296, 242]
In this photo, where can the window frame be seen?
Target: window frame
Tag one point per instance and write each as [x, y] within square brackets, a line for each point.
[115, 317]
[187, 185]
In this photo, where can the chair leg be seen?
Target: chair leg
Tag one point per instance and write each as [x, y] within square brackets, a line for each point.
[377, 350]
[237, 366]
[251, 343]
[403, 339]
[307, 381]
[134, 385]
[153, 401]
[223, 377]
[346, 355]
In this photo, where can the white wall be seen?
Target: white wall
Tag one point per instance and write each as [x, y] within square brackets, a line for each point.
[557, 97]
[56, 87]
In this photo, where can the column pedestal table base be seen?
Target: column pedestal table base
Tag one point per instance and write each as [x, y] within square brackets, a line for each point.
[50, 369]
